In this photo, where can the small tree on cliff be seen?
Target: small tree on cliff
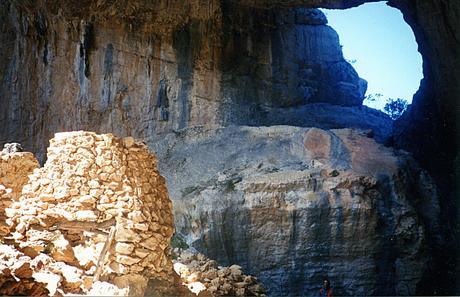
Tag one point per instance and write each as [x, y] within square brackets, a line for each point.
[395, 107]
[373, 97]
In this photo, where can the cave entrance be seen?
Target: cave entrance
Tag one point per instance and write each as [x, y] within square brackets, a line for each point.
[382, 48]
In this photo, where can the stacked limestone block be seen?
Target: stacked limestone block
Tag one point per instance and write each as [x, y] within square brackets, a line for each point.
[97, 191]
[14, 170]
[202, 275]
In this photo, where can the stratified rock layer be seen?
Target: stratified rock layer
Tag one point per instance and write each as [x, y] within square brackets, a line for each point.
[100, 206]
[291, 205]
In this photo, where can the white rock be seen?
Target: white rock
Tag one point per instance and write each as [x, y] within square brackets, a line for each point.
[181, 269]
[196, 287]
[61, 192]
[124, 248]
[128, 142]
[71, 274]
[85, 215]
[50, 279]
[126, 260]
[107, 289]
[93, 184]
[44, 181]
[87, 199]
[88, 255]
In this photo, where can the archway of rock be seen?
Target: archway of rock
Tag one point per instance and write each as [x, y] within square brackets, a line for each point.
[430, 128]
[381, 47]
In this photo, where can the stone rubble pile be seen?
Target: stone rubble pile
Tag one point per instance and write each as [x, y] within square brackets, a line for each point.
[15, 167]
[204, 277]
[97, 211]
[44, 276]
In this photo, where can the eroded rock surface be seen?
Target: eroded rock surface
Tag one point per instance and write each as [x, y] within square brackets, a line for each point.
[291, 205]
[330, 116]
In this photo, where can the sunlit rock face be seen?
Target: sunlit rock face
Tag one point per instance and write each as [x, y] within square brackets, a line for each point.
[291, 205]
[144, 68]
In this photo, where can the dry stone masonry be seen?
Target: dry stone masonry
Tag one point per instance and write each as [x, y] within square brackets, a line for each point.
[203, 275]
[15, 167]
[99, 206]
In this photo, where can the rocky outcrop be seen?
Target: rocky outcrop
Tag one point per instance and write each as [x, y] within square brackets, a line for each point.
[430, 128]
[99, 208]
[291, 205]
[330, 116]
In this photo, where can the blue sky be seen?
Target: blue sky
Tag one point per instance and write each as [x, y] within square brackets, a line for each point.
[384, 47]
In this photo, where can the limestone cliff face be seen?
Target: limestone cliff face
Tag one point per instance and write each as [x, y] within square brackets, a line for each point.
[291, 205]
[145, 69]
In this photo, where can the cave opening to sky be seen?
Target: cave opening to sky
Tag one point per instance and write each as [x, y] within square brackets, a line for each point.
[382, 48]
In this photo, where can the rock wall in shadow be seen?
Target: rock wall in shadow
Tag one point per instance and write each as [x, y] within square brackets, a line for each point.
[144, 68]
[292, 204]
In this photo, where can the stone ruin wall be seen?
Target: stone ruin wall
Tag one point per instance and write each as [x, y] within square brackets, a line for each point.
[14, 170]
[96, 194]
